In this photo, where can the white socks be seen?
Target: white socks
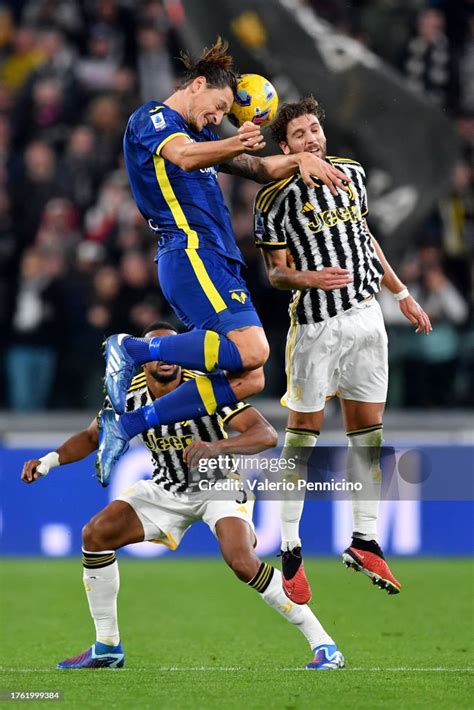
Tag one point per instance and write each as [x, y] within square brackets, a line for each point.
[268, 582]
[298, 444]
[363, 464]
[102, 582]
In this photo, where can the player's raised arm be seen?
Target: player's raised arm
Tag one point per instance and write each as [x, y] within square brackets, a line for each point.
[190, 155]
[277, 167]
[255, 434]
[76, 448]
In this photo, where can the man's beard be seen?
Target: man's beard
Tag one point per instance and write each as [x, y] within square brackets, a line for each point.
[163, 379]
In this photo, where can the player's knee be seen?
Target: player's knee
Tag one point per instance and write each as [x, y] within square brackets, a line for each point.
[98, 535]
[243, 564]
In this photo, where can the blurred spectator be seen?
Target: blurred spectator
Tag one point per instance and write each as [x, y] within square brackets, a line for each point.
[78, 170]
[105, 118]
[138, 289]
[428, 62]
[59, 228]
[36, 332]
[427, 367]
[124, 86]
[155, 73]
[66, 15]
[49, 115]
[37, 184]
[119, 20]
[96, 70]
[104, 219]
[24, 56]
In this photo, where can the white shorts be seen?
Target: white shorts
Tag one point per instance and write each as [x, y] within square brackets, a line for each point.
[167, 516]
[346, 355]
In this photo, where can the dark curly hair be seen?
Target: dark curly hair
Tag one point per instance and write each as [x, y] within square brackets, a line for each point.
[287, 112]
[214, 63]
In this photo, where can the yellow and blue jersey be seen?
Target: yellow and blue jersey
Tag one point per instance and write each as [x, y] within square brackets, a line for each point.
[186, 209]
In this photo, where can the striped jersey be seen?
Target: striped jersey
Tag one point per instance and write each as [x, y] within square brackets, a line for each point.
[167, 443]
[319, 230]
[186, 209]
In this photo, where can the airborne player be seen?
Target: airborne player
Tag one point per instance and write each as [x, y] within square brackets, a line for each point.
[319, 246]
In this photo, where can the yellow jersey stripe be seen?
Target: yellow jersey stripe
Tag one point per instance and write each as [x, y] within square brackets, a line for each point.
[234, 413]
[211, 350]
[269, 199]
[168, 139]
[206, 393]
[343, 160]
[172, 202]
[264, 201]
[188, 374]
[272, 244]
[267, 190]
[205, 282]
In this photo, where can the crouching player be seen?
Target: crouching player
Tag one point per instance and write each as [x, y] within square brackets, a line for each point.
[163, 508]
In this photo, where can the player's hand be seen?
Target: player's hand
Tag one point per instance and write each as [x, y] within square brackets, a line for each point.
[330, 277]
[310, 166]
[198, 450]
[32, 470]
[250, 136]
[416, 315]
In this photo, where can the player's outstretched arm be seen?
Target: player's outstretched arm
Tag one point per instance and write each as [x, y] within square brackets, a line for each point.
[408, 306]
[255, 434]
[189, 155]
[77, 447]
[283, 277]
[277, 167]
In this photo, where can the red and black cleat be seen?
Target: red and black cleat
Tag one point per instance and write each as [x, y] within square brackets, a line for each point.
[294, 581]
[367, 557]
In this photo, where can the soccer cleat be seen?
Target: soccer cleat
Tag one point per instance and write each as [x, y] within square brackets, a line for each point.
[97, 656]
[294, 581]
[120, 369]
[367, 557]
[327, 657]
[113, 443]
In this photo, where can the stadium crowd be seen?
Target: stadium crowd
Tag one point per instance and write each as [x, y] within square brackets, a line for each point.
[76, 257]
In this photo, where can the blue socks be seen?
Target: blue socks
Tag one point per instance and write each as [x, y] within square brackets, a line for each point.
[202, 350]
[194, 398]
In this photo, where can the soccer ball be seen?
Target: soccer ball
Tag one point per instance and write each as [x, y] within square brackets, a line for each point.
[256, 100]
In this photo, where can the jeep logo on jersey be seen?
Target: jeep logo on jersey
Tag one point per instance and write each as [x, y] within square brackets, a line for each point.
[158, 121]
[164, 443]
[239, 296]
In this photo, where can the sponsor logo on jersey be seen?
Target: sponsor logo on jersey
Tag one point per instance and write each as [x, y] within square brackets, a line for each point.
[165, 443]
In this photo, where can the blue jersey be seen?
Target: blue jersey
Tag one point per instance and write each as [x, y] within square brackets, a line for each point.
[186, 209]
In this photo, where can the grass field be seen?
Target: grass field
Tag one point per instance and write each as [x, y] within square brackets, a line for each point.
[195, 637]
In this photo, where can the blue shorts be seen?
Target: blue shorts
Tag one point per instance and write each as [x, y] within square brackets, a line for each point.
[206, 290]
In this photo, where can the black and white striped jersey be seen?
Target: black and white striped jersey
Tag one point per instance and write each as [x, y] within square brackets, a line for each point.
[167, 443]
[319, 230]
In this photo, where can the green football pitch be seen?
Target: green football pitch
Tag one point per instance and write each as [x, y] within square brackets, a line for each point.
[196, 637]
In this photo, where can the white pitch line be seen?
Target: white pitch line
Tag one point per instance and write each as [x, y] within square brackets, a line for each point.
[212, 669]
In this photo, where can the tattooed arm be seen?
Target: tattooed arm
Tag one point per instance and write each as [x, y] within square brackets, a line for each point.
[276, 167]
